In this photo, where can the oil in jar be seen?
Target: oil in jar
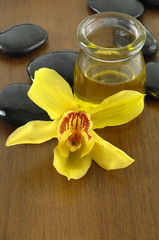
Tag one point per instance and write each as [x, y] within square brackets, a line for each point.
[92, 91]
[96, 80]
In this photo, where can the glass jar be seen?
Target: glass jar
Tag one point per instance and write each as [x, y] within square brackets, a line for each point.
[110, 57]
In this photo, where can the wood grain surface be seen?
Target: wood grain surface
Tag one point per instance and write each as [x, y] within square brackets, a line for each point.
[37, 203]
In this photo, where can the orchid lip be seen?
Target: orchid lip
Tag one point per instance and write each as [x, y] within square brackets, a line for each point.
[76, 122]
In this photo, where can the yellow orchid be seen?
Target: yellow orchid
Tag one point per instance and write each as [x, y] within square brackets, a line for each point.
[74, 126]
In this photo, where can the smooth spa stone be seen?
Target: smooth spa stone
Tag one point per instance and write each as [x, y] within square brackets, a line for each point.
[62, 61]
[130, 7]
[22, 38]
[150, 47]
[152, 79]
[151, 2]
[17, 108]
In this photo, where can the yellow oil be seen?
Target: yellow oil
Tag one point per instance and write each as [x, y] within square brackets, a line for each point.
[104, 82]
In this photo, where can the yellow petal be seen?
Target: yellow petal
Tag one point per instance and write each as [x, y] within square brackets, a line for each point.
[87, 144]
[62, 145]
[118, 109]
[72, 166]
[52, 93]
[108, 156]
[34, 132]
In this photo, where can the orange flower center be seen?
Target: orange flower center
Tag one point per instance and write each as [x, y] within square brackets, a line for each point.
[76, 123]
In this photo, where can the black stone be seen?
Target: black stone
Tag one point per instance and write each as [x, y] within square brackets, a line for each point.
[150, 47]
[22, 38]
[62, 61]
[152, 79]
[131, 7]
[151, 2]
[17, 108]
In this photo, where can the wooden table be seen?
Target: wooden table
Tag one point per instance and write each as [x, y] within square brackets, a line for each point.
[37, 203]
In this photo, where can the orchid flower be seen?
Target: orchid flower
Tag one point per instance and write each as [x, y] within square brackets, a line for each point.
[74, 126]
